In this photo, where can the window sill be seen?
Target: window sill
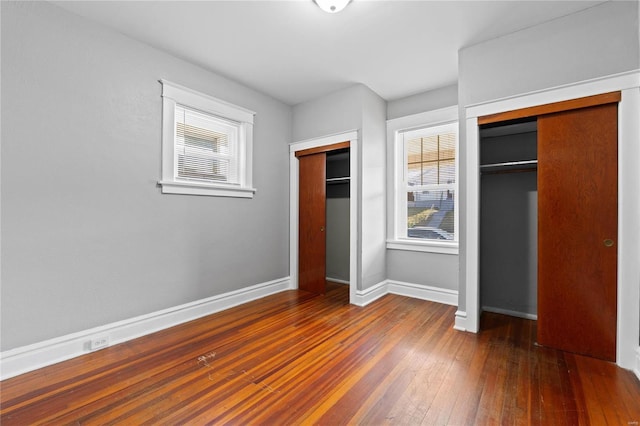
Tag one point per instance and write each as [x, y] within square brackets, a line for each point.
[424, 246]
[194, 188]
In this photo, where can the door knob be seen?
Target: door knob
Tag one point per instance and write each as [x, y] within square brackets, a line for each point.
[322, 229]
[608, 242]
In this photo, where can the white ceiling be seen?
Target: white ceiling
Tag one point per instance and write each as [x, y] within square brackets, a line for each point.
[295, 52]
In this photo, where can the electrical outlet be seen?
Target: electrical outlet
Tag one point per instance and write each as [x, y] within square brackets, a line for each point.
[98, 343]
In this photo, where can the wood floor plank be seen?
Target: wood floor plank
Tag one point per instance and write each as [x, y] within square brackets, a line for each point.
[432, 369]
[391, 395]
[469, 392]
[392, 372]
[297, 358]
[516, 365]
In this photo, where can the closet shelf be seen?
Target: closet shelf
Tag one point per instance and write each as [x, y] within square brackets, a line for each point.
[510, 166]
[338, 180]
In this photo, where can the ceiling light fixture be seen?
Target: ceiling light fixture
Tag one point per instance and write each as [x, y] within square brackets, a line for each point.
[332, 6]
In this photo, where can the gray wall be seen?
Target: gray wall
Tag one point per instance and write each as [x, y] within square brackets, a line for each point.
[337, 218]
[430, 269]
[373, 180]
[334, 113]
[596, 42]
[356, 108]
[508, 242]
[87, 237]
[421, 102]
[338, 238]
[599, 41]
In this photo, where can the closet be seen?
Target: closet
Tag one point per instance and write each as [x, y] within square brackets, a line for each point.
[323, 241]
[337, 214]
[508, 218]
[549, 221]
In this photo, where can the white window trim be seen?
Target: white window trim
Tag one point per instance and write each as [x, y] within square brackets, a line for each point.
[173, 94]
[395, 150]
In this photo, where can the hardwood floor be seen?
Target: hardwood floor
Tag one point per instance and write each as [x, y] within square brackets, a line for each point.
[295, 358]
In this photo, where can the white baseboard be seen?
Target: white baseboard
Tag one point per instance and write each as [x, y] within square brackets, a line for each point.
[637, 368]
[510, 313]
[461, 321]
[28, 358]
[423, 292]
[371, 294]
[336, 280]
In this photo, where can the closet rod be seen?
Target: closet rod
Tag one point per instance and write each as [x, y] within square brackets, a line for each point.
[509, 164]
[510, 167]
[497, 172]
[339, 179]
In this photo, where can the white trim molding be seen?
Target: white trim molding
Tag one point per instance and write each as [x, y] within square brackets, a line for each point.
[628, 328]
[461, 321]
[237, 123]
[424, 292]
[397, 130]
[432, 246]
[415, 291]
[196, 188]
[637, 367]
[28, 358]
[371, 294]
[352, 137]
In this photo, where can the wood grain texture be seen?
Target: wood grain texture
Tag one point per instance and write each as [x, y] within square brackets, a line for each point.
[577, 212]
[312, 220]
[298, 358]
[572, 104]
[324, 148]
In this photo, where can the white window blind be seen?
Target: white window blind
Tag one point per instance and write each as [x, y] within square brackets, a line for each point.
[431, 160]
[430, 182]
[206, 147]
[424, 213]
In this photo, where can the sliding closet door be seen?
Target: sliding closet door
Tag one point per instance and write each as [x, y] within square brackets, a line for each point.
[312, 214]
[577, 230]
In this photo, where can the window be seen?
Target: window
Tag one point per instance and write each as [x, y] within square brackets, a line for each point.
[424, 211]
[206, 145]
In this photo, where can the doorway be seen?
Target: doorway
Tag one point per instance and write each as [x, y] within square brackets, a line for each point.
[467, 318]
[323, 175]
[572, 150]
[319, 145]
[566, 134]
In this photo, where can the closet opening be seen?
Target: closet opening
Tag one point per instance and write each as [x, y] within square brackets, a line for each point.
[324, 220]
[549, 223]
[337, 217]
[582, 303]
[509, 218]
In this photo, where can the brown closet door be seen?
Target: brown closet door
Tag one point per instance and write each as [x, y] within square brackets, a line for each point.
[311, 235]
[577, 230]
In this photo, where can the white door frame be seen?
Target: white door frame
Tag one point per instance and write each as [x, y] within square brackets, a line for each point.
[628, 328]
[352, 137]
